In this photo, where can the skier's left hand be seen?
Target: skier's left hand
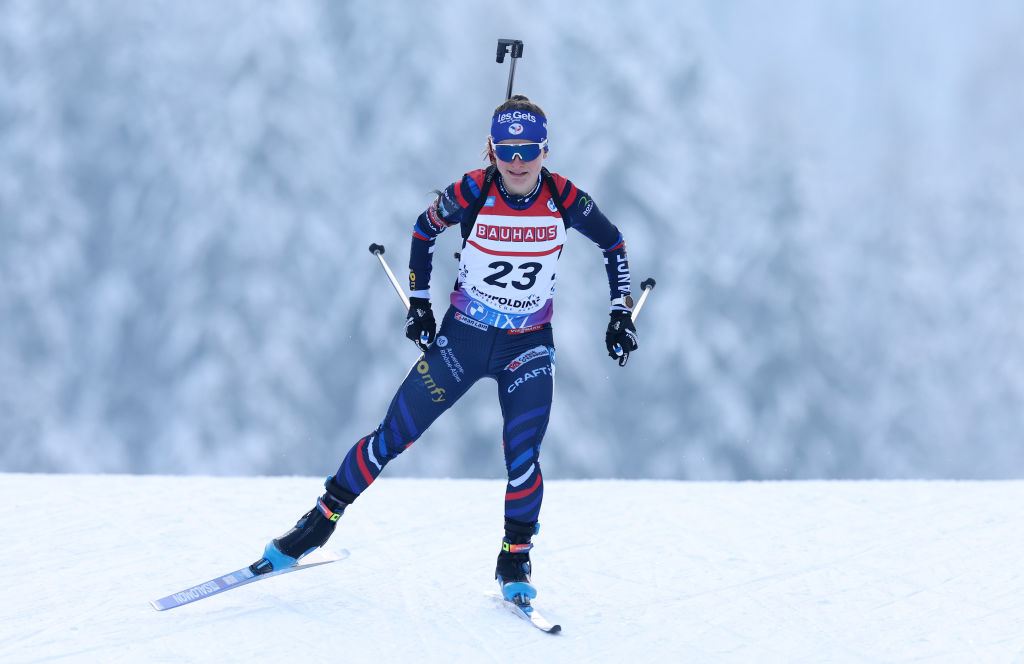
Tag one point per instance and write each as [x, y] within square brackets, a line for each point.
[620, 338]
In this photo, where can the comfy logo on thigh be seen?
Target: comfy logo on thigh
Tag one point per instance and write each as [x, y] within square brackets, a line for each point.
[437, 393]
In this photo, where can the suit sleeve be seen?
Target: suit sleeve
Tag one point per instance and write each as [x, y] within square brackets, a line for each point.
[449, 209]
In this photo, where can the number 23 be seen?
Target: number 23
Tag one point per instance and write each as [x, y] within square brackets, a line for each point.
[502, 269]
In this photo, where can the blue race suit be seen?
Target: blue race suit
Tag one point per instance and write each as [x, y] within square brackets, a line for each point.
[498, 325]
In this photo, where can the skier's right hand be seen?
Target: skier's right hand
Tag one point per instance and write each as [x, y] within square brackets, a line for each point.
[620, 337]
[420, 326]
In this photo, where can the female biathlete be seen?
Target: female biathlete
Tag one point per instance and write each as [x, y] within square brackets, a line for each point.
[514, 218]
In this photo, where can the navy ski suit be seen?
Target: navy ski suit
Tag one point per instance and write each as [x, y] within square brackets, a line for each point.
[498, 325]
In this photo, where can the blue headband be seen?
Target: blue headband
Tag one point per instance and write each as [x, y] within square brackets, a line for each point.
[528, 126]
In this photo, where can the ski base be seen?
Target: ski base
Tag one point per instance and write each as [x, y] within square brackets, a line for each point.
[529, 613]
[242, 577]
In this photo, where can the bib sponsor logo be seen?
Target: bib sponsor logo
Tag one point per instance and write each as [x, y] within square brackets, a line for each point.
[552, 206]
[516, 233]
[532, 354]
[489, 202]
[494, 318]
[508, 302]
[477, 310]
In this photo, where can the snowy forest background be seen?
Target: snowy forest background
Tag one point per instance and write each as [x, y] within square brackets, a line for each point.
[829, 194]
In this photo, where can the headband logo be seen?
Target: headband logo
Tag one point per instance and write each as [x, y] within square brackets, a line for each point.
[513, 116]
[515, 129]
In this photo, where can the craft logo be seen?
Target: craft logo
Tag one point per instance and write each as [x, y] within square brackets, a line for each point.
[529, 375]
[515, 129]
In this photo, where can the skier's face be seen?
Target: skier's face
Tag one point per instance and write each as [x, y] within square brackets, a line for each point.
[520, 177]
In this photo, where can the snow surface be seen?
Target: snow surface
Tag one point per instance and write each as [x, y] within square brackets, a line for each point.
[634, 570]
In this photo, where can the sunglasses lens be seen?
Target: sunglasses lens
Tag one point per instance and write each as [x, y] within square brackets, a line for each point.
[508, 152]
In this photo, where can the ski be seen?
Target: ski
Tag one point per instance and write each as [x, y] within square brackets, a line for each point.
[528, 613]
[242, 577]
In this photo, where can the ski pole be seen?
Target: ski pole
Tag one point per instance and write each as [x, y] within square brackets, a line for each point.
[514, 47]
[648, 285]
[378, 251]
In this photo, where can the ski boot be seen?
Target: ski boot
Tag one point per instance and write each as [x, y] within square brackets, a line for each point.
[311, 531]
[513, 569]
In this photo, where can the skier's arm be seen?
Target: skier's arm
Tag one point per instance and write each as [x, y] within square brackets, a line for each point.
[448, 209]
[620, 338]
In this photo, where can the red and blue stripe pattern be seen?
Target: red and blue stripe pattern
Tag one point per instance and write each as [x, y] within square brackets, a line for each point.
[367, 458]
[524, 492]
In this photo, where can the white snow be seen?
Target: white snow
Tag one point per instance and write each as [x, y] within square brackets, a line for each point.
[895, 571]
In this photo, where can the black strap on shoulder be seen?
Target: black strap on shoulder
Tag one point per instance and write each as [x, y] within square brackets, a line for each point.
[556, 195]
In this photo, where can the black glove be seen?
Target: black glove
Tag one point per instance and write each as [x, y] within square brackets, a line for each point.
[419, 324]
[621, 337]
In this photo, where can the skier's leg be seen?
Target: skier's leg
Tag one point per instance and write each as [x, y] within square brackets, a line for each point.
[426, 392]
[435, 382]
[525, 392]
[525, 388]
[438, 379]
